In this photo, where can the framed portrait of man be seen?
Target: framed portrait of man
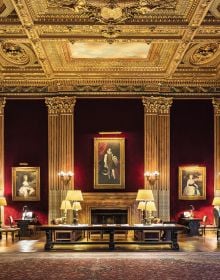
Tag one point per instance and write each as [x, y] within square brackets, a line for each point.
[192, 182]
[26, 183]
[109, 163]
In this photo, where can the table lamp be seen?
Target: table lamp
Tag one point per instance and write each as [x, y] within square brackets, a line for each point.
[3, 202]
[144, 196]
[75, 196]
[65, 205]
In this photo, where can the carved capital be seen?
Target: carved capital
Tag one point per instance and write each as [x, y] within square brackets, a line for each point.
[156, 105]
[151, 105]
[216, 105]
[165, 104]
[60, 105]
[2, 105]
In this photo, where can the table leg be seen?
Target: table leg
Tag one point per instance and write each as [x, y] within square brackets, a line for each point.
[174, 245]
[13, 236]
[48, 245]
[111, 239]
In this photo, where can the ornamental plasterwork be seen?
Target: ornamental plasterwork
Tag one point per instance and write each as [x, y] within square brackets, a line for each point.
[216, 105]
[6, 7]
[157, 59]
[60, 105]
[2, 105]
[173, 10]
[215, 9]
[157, 105]
[179, 36]
[112, 12]
[17, 53]
[125, 31]
[206, 54]
[11, 30]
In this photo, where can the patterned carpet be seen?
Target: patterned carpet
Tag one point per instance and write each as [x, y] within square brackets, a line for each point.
[110, 265]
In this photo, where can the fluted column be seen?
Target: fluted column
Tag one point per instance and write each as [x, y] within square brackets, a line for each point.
[60, 149]
[2, 105]
[157, 149]
[216, 105]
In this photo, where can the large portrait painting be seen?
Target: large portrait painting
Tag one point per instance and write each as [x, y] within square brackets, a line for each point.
[109, 163]
[192, 182]
[26, 183]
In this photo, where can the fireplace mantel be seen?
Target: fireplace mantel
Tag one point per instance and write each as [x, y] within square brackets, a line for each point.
[109, 200]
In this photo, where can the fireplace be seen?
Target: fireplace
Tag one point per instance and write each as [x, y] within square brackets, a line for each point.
[109, 216]
[110, 208]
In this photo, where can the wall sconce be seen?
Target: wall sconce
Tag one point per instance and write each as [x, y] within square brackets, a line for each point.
[152, 177]
[3, 202]
[65, 205]
[65, 177]
[145, 196]
[76, 197]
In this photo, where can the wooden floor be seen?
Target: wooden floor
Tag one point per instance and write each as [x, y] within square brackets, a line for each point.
[207, 243]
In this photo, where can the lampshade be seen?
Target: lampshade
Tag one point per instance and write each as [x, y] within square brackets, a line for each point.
[141, 205]
[76, 206]
[74, 195]
[65, 205]
[3, 201]
[151, 206]
[216, 201]
[145, 195]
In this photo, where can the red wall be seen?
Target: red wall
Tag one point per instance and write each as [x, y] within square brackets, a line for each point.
[26, 141]
[94, 115]
[192, 142]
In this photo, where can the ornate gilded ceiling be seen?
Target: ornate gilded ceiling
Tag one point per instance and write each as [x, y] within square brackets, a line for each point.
[109, 47]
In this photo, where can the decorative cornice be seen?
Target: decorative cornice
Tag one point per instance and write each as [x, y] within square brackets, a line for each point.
[60, 105]
[157, 105]
[2, 105]
[117, 89]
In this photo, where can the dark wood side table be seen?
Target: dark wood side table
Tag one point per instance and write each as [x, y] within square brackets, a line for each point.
[192, 224]
[23, 225]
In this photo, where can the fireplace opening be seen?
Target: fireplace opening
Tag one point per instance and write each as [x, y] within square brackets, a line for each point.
[109, 216]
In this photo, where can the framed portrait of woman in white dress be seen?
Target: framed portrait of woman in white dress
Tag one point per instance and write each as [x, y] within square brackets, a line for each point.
[26, 183]
[192, 182]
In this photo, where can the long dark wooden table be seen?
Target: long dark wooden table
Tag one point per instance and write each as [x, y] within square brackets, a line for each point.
[170, 234]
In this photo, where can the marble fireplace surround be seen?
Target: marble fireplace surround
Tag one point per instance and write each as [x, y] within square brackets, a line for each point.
[109, 200]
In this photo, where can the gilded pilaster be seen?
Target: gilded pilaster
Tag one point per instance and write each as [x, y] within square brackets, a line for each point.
[2, 105]
[157, 149]
[60, 151]
[216, 105]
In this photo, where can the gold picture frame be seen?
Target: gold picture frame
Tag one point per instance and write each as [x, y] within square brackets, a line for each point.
[26, 183]
[109, 163]
[192, 182]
